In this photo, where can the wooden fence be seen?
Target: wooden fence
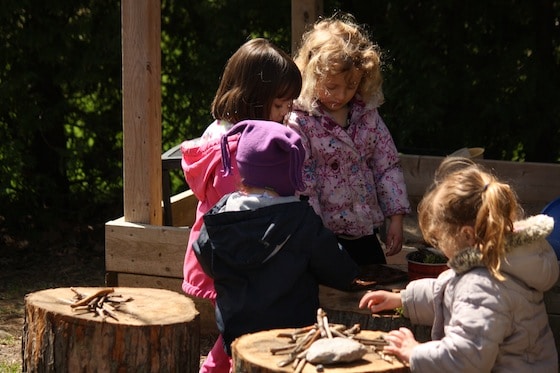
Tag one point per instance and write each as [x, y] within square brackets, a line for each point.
[142, 255]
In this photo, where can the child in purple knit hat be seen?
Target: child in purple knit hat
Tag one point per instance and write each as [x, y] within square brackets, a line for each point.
[266, 249]
[269, 156]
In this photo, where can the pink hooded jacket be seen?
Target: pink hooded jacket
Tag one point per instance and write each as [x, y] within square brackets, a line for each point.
[202, 166]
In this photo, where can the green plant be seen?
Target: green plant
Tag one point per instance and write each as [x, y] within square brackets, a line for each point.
[434, 259]
[428, 258]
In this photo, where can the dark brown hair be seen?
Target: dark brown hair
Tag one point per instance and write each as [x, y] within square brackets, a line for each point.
[256, 74]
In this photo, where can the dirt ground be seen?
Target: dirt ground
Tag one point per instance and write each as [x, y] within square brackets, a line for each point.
[23, 270]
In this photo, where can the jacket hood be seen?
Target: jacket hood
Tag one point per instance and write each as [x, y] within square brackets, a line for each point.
[260, 233]
[202, 163]
[529, 257]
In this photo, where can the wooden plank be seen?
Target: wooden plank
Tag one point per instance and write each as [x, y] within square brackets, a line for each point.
[535, 183]
[203, 306]
[304, 13]
[183, 209]
[418, 174]
[145, 249]
[146, 281]
[141, 75]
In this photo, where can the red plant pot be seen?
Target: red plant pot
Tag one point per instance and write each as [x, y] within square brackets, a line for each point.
[417, 269]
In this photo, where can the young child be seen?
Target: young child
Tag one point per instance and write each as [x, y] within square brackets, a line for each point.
[266, 249]
[487, 312]
[259, 81]
[352, 171]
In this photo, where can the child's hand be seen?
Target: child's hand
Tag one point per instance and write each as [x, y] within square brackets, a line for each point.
[394, 240]
[401, 343]
[380, 300]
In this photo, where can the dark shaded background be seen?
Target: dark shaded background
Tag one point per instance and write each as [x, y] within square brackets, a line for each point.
[457, 73]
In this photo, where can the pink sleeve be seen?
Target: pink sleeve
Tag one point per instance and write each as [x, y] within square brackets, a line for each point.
[203, 171]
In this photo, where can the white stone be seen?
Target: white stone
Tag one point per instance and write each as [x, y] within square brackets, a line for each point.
[335, 350]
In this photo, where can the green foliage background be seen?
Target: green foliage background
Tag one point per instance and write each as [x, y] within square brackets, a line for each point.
[457, 73]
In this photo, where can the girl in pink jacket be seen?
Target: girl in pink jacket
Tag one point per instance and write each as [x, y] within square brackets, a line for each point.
[259, 81]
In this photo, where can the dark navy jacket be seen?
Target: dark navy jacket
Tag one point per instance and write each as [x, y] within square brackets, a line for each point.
[267, 264]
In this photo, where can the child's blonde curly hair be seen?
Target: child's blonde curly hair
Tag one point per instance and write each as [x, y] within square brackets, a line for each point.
[336, 45]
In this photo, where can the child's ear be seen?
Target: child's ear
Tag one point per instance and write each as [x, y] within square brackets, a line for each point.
[467, 234]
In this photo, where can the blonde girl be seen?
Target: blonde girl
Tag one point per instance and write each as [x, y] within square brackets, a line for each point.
[352, 172]
[487, 312]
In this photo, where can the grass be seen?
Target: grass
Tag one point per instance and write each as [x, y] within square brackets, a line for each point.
[9, 340]
[10, 367]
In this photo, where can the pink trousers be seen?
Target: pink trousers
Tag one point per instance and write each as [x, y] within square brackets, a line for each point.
[217, 360]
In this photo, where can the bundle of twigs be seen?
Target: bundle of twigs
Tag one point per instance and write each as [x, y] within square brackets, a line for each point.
[301, 339]
[103, 303]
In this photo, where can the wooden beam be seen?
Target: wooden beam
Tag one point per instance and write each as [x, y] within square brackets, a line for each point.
[532, 181]
[304, 13]
[142, 248]
[141, 85]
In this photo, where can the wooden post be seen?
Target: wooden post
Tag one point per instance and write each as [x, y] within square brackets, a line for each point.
[153, 330]
[304, 12]
[141, 85]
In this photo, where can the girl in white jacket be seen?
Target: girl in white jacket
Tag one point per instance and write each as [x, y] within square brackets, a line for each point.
[487, 312]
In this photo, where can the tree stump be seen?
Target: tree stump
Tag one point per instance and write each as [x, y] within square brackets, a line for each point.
[153, 330]
[251, 354]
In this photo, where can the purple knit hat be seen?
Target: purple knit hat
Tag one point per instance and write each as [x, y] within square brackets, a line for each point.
[269, 155]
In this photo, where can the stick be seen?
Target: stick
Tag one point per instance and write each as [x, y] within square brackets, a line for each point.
[371, 342]
[301, 364]
[275, 350]
[87, 300]
[78, 294]
[293, 335]
[302, 344]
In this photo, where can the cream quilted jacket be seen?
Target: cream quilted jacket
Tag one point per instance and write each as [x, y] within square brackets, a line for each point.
[481, 324]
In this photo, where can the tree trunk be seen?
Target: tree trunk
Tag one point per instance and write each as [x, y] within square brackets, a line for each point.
[152, 330]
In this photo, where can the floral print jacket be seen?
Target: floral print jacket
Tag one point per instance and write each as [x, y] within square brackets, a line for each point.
[353, 175]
